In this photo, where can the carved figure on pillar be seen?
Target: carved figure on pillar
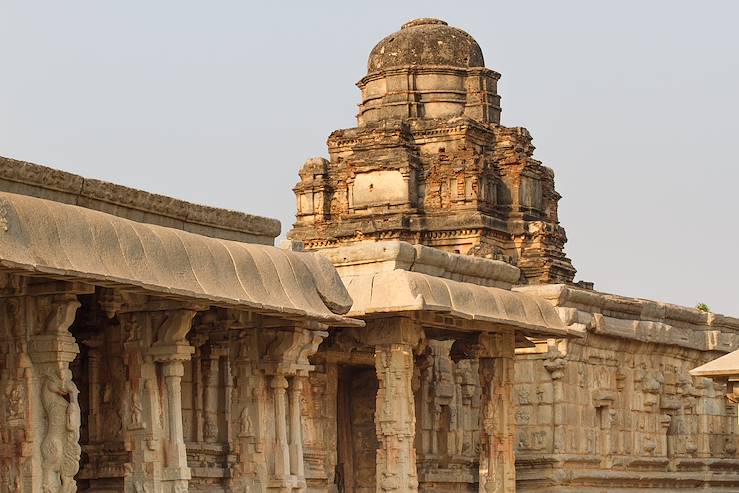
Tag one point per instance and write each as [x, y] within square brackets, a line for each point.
[60, 448]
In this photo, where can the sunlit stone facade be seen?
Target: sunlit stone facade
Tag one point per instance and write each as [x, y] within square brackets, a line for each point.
[420, 332]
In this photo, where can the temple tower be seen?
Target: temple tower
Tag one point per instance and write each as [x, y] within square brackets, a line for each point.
[430, 163]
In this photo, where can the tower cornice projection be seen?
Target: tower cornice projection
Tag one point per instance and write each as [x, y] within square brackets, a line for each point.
[430, 163]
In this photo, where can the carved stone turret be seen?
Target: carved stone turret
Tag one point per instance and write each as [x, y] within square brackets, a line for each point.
[430, 163]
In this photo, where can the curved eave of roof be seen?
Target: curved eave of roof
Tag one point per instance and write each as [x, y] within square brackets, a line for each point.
[66, 241]
[404, 291]
[726, 366]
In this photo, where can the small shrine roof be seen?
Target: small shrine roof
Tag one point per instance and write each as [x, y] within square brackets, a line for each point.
[725, 366]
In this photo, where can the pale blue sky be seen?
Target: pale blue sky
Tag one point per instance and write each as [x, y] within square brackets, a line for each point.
[632, 103]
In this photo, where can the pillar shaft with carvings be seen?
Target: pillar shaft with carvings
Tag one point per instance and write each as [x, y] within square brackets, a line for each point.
[212, 371]
[56, 415]
[297, 466]
[497, 454]
[16, 397]
[282, 451]
[285, 362]
[555, 365]
[395, 341]
[156, 352]
[248, 403]
[395, 419]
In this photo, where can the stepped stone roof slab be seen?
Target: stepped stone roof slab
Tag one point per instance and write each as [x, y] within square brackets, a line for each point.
[394, 276]
[47, 238]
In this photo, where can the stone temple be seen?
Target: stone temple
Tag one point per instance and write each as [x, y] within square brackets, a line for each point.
[421, 330]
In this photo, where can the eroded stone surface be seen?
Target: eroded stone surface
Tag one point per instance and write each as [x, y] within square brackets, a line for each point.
[48, 183]
[430, 163]
[147, 359]
[619, 408]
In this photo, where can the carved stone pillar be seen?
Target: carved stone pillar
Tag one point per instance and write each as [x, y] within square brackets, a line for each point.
[395, 419]
[95, 413]
[248, 404]
[497, 454]
[142, 426]
[198, 341]
[157, 350]
[282, 451]
[297, 466]
[172, 350]
[56, 412]
[395, 341]
[285, 361]
[16, 399]
[212, 371]
[555, 365]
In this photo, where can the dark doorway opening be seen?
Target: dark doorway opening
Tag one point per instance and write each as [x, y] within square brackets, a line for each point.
[357, 438]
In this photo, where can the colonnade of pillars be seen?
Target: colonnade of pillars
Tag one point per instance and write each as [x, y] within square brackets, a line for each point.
[395, 341]
[268, 448]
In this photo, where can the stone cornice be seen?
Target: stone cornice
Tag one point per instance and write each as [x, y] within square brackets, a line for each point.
[43, 182]
[428, 69]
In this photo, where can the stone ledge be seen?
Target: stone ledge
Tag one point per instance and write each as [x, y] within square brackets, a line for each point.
[47, 183]
[387, 256]
[638, 319]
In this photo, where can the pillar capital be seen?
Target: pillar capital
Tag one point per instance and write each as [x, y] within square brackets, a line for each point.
[175, 353]
[278, 382]
[286, 351]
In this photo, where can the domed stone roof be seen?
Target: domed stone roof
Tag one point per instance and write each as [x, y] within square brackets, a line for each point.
[426, 42]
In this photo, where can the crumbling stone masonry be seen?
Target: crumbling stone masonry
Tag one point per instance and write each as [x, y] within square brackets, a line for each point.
[611, 408]
[430, 163]
[431, 341]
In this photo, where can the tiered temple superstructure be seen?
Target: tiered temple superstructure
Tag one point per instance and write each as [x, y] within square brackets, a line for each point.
[430, 163]
[612, 408]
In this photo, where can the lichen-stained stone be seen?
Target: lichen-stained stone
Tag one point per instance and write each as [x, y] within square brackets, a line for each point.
[426, 42]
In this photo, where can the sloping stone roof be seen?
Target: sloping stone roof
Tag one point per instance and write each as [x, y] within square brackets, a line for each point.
[69, 242]
[725, 366]
[402, 291]
[395, 276]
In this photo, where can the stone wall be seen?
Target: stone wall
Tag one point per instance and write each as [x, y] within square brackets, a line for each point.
[617, 408]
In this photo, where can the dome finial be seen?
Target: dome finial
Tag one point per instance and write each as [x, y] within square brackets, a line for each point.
[424, 21]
